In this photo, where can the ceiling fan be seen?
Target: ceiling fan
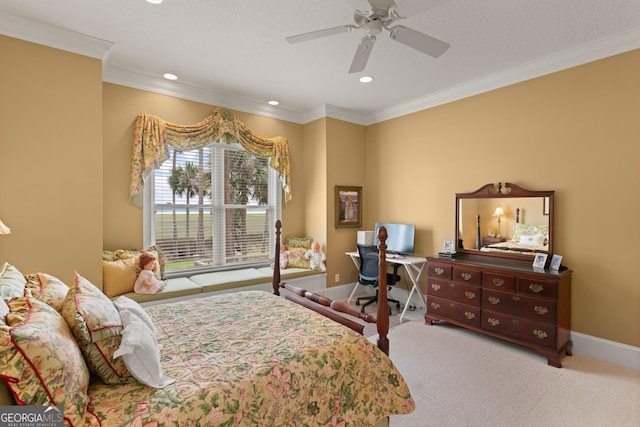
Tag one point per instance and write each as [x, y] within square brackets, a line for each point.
[383, 14]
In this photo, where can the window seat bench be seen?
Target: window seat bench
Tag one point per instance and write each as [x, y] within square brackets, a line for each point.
[205, 284]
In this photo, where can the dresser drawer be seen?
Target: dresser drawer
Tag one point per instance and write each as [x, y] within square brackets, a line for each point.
[527, 330]
[538, 309]
[499, 282]
[447, 309]
[441, 271]
[467, 276]
[538, 287]
[455, 291]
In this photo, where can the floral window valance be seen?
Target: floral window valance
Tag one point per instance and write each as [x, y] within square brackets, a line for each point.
[153, 137]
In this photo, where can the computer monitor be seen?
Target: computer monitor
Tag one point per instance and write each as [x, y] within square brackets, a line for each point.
[400, 238]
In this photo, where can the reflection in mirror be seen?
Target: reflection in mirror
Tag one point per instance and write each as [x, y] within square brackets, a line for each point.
[505, 221]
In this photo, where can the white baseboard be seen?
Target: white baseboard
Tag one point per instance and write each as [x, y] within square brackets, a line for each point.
[608, 351]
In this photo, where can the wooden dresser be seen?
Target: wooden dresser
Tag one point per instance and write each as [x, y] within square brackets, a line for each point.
[505, 299]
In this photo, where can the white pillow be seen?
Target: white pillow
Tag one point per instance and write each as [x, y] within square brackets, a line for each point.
[123, 303]
[140, 352]
[535, 240]
[12, 282]
[4, 309]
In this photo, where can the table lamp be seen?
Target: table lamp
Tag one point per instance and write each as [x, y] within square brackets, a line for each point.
[4, 229]
[499, 212]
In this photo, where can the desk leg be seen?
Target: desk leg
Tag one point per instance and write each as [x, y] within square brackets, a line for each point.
[356, 261]
[414, 271]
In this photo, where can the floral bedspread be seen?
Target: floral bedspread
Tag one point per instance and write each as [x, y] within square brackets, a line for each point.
[254, 359]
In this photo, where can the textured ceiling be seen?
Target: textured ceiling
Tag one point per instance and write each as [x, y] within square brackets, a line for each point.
[234, 53]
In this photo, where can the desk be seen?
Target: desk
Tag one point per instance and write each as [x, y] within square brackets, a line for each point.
[413, 265]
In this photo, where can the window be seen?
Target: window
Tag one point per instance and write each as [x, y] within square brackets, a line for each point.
[212, 208]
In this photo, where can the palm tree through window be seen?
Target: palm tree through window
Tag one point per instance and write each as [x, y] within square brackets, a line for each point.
[214, 208]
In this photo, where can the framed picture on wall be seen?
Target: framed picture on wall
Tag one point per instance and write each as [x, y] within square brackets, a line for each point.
[348, 206]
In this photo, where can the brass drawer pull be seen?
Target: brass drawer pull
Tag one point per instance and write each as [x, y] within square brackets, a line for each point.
[466, 276]
[469, 315]
[493, 322]
[536, 288]
[439, 271]
[435, 305]
[540, 334]
[498, 282]
[541, 310]
[494, 300]
[435, 286]
[470, 295]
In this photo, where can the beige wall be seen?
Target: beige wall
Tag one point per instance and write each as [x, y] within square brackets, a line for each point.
[50, 160]
[575, 132]
[66, 147]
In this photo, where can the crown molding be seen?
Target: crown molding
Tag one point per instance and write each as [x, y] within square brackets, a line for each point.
[590, 52]
[51, 36]
[176, 89]
[60, 38]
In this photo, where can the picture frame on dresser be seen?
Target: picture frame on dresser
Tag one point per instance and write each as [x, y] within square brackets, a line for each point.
[448, 247]
[540, 260]
[556, 261]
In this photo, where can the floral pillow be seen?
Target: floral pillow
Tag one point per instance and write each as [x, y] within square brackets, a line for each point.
[48, 289]
[96, 325]
[297, 247]
[41, 362]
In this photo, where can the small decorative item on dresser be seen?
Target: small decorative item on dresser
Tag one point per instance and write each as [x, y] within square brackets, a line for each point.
[540, 260]
[448, 247]
[448, 250]
[555, 262]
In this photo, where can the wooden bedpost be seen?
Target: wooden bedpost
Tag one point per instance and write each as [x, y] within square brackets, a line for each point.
[276, 262]
[383, 305]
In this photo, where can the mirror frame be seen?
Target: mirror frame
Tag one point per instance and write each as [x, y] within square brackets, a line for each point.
[498, 192]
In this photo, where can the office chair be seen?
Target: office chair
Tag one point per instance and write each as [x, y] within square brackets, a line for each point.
[368, 275]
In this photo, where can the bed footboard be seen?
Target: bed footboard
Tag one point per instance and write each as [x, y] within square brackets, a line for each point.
[318, 302]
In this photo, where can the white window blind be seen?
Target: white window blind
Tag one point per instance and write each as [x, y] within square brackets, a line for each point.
[214, 208]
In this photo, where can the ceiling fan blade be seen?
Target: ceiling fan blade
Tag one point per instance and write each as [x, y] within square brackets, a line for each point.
[419, 41]
[320, 33]
[407, 8]
[362, 54]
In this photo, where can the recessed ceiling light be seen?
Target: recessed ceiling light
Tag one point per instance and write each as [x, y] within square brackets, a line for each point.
[366, 79]
[154, 1]
[274, 102]
[170, 76]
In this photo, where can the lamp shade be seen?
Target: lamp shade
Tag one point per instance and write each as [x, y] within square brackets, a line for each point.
[499, 212]
[4, 229]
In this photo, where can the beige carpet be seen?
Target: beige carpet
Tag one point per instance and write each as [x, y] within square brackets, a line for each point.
[461, 378]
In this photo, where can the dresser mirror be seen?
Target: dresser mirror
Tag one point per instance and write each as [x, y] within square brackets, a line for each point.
[505, 220]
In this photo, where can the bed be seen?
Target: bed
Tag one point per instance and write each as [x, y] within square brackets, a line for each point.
[526, 239]
[246, 358]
